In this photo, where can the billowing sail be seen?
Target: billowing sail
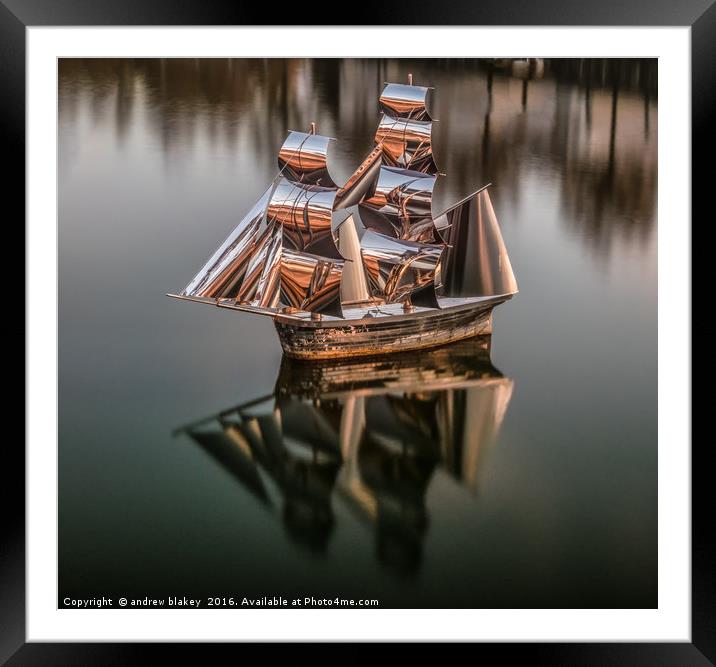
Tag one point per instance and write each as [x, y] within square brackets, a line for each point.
[261, 285]
[280, 278]
[475, 262]
[303, 158]
[305, 213]
[310, 283]
[398, 270]
[407, 143]
[405, 101]
[400, 205]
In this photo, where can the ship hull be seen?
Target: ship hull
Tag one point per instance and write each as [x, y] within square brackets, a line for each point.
[383, 335]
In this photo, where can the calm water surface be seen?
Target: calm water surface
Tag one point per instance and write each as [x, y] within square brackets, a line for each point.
[532, 485]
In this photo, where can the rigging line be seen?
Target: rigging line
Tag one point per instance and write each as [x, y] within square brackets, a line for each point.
[310, 230]
[417, 150]
[463, 200]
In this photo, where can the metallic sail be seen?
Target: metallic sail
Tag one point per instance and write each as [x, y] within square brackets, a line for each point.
[261, 285]
[258, 265]
[405, 128]
[305, 213]
[363, 181]
[407, 143]
[354, 282]
[400, 269]
[405, 101]
[475, 261]
[223, 274]
[401, 206]
[279, 278]
[303, 158]
[310, 283]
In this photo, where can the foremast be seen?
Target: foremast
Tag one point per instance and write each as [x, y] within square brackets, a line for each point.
[281, 257]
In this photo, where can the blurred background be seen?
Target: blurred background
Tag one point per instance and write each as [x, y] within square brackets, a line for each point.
[553, 502]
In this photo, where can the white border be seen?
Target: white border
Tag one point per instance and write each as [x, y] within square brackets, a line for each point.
[671, 622]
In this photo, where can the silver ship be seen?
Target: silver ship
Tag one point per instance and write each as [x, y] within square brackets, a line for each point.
[365, 268]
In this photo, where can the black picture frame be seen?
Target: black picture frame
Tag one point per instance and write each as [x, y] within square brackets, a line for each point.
[16, 15]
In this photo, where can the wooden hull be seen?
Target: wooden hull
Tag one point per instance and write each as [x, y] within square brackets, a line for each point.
[384, 335]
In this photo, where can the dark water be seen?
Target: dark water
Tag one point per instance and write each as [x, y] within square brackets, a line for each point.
[533, 483]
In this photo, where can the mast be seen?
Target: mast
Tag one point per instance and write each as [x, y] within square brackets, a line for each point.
[390, 241]
[401, 203]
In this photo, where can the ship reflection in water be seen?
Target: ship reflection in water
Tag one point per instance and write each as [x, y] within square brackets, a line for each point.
[367, 433]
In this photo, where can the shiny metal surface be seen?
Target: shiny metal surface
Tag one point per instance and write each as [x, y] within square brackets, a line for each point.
[354, 282]
[475, 261]
[398, 269]
[407, 143]
[305, 213]
[303, 157]
[403, 101]
[248, 266]
[401, 202]
[362, 183]
[310, 283]
[401, 205]
[224, 272]
[261, 286]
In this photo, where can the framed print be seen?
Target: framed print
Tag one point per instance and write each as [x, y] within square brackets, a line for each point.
[442, 393]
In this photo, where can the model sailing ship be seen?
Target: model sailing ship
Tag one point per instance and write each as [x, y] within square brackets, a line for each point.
[364, 268]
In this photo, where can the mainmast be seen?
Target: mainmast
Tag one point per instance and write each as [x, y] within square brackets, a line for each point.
[403, 193]
[399, 247]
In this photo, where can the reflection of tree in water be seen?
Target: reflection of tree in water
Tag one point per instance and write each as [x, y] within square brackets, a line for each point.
[496, 121]
[607, 179]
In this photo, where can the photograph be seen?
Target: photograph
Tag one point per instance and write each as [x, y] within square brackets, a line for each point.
[428, 375]
[373, 333]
